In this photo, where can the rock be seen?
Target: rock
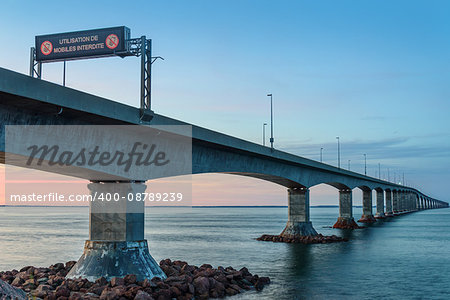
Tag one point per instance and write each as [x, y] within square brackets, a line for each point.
[98, 290]
[70, 264]
[261, 282]
[130, 279]
[25, 268]
[147, 283]
[318, 239]
[62, 291]
[109, 294]
[201, 285]
[231, 292]
[175, 292]
[141, 295]
[101, 281]
[42, 280]
[116, 281]
[163, 295]
[23, 275]
[17, 281]
[186, 282]
[44, 288]
[9, 292]
[75, 296]
[57, 267]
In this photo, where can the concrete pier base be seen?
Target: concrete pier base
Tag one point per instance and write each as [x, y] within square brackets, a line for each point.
[116, 245]
[345, 220]
[298, 223]
[367, 216]
[297, 229]
[367, 219]
[116, 259]
[346, 223]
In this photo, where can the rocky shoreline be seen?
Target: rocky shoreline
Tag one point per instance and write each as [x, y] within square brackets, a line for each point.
[183, 281]
[315, 239]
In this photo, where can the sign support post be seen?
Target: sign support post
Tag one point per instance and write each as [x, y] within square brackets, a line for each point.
[146, 113]
[35, 66]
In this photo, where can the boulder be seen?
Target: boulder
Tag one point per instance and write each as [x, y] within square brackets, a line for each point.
[201, 285]
[141, 295]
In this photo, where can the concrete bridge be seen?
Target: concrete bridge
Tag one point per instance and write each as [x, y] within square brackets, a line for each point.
[116, 244]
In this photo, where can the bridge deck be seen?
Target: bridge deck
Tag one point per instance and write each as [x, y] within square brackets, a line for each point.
[43, 97]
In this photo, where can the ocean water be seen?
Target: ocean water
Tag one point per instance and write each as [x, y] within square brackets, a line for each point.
[407, 257]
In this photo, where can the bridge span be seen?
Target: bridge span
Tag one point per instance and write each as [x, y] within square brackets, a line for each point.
[117, 246]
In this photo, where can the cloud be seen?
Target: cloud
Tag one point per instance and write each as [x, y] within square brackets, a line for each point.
[392, 148]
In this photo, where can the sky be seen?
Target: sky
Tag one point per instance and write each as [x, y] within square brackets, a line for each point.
[374, 73]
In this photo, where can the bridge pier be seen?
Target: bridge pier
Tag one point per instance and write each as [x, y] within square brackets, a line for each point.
[298, 223]
[116, 245]
[345, 220]
[404, 201]
[380, 205]
[389, 212]
[367, 216]
[400, 201]
[395, 196]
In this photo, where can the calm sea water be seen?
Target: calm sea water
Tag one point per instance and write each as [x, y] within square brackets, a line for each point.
[407, 257]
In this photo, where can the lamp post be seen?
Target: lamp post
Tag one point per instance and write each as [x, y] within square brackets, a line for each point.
[339, 153]
[379, 171]
[321, 150]
[349, 164]
[365, 164]
[271, 120]
[264, 134]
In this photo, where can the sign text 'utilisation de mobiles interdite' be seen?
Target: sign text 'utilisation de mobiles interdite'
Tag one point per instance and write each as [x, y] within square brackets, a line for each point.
[82, 44]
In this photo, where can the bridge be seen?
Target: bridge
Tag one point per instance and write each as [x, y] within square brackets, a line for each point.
[116, 244]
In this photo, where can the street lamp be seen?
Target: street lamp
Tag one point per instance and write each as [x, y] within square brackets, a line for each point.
[264, 134]
[379, 171]
[365, 164]
[349, 164]
[339, 153]
[321, 150]
[271, 121]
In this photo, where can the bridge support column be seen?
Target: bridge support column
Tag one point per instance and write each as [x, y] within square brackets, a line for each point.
[367, 216]
[345, 220]
[395, 196]
[380, 205]
[405, 201]
[414, 202]
[389, 212]
[400, 201]
[116, 245]
[298, 223]
[411, 206]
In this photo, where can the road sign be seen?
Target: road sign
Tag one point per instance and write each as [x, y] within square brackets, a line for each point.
[112, 41]
[46, 47]
[82, 44]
